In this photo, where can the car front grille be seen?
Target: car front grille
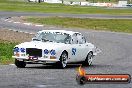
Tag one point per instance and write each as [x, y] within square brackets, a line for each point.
[34, 52]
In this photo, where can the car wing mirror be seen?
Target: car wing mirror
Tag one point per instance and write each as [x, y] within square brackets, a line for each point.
[33, 39]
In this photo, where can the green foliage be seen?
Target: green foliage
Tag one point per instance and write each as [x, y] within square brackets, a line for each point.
[58, 8]
[6, 51]
[116, 25]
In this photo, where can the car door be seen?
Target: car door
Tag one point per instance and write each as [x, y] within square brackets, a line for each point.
[74, 49]
[83, 47]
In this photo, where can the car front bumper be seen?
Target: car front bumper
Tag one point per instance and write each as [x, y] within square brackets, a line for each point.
[39, 59]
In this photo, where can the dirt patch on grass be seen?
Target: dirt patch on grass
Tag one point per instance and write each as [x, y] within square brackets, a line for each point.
[12, 36]
[8, 39]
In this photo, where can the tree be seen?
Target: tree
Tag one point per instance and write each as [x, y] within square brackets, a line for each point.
[28, 0]
[39, 1]
[62, 1]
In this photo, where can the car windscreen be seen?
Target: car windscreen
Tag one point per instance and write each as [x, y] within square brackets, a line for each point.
[52, 37]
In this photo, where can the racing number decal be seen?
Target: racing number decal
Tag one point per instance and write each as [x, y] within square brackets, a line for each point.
[74, 51]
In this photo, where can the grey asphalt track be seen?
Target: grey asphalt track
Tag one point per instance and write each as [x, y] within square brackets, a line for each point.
[116, 58]
[102, 16]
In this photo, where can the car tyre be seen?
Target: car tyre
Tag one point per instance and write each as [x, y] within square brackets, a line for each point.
[20, 64]
[89, 59]
[63, 60]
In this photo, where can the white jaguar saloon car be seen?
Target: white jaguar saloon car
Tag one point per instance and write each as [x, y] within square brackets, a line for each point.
[55, 46]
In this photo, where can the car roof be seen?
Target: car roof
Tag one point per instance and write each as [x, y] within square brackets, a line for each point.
[62, 31]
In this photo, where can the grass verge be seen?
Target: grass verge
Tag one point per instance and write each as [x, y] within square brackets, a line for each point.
[8, 39]
[114, 25]
[6, 5]
[6, 49]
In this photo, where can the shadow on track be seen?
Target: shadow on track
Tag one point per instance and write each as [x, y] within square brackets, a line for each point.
[69, 66]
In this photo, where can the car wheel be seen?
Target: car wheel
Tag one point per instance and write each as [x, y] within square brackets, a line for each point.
[20, 64]
[63, 60]
[89, 59]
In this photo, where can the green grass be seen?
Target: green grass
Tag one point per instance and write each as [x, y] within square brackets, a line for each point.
[94, 0]
[6, 51]
[114, 25]
[6, 5]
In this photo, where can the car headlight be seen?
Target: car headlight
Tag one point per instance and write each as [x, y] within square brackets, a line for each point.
[22, 50]
[52, 52]
[16, 49]
[46, 51]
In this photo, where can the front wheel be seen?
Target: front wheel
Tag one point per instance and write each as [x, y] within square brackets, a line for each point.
[89, 59]
[63, 60]
[20, 64]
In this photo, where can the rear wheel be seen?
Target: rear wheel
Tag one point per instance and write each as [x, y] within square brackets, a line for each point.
[20, 64]
[89, 59]
[63, 60]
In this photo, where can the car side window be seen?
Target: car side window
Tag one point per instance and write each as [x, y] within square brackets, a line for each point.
[74, 39]
[81, 39]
